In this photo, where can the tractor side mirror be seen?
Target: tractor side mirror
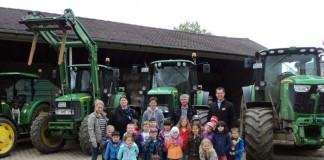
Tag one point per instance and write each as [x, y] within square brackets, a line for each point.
[116, 73]
[206, 68]
[248, 62]
[134, 70]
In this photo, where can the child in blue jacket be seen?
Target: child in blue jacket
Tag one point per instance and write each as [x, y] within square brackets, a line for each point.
[237, 147]
[128, 150]
[113, 146]
[221, 140]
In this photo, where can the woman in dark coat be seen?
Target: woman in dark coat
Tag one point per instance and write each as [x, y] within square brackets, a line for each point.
[122, 115]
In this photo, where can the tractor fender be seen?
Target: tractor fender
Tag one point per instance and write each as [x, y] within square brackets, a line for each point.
[249, 98]
[28, 110]
[11, 120]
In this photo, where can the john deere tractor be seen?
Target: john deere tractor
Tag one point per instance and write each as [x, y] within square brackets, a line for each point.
[24, 96]
[170, 79]
[81, 84]
[285, 102]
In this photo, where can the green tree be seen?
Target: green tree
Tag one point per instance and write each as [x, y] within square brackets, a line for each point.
[192, 27]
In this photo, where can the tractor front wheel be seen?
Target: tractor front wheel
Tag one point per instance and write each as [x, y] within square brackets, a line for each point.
[8, 137]
[84, 136]
[258, 133]
[41, 138]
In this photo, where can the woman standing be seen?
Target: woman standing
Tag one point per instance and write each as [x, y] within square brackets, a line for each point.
[153, 112]
[122, 115]
[97, 124]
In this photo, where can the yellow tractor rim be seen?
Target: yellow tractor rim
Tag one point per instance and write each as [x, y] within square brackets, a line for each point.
[50, 141]
[7, 137]
[42, 113]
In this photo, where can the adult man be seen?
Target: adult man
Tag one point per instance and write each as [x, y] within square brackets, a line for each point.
[184, 109]
[222, 109]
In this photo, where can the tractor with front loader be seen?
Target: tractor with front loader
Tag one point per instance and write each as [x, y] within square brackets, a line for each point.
[23, 97]
[81, 84]
[285, 101]
[168, 79]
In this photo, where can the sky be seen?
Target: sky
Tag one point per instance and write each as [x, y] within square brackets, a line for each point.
[271, 23]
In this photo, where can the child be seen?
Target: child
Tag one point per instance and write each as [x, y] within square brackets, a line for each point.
[237, 147]
[208, 133]
[154, 145]
[136, 125]
[174, 144]
[184, 132]
[137, 138]
[128, 150]
[165, 134]
[221, 140]
[196, 120]
[113, 147]
[109, 130]
[206, 150]
[153, 123]
[194, 141]
[145, 130]
[214, 119]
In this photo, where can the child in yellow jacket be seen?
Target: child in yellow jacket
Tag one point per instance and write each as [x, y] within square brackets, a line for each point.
[174, 145]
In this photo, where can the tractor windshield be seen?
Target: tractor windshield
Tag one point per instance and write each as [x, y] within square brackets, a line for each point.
[172, 76]
[278, 67]
[80, 80]
[296, 64]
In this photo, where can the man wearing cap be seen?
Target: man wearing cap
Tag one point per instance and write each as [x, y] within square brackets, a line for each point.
[184, 109]
[222, 108]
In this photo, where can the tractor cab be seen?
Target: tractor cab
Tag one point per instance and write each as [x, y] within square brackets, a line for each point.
[168, 79]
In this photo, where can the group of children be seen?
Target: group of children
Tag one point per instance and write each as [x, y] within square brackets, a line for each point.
[185, 140]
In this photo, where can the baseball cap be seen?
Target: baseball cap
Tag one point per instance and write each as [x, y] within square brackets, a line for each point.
[195, 117]
[153, 129]
[214, 119]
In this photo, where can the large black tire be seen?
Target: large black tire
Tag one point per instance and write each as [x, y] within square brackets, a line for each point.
[40, 137]
[40, 110]
[8, 137]
[84, 137]
[258, 132]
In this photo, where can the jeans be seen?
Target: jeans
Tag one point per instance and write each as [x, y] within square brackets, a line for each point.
[95, 152]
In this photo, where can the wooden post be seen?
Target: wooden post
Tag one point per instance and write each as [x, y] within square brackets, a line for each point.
[33, 48]
[60, 59]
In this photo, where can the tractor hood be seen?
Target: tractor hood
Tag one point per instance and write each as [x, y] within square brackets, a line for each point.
[305, 79]
[73, 97]
[162, 91]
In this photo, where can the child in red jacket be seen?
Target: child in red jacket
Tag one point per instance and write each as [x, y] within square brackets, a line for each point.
[184, 132]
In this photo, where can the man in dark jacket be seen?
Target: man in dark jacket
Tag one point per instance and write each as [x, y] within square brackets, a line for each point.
[184, 109]
[222, 109]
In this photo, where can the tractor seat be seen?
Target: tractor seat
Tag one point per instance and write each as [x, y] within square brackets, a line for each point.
[19, 101]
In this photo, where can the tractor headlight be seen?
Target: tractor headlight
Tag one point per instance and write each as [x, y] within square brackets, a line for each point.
[302, 88]
[64, 112]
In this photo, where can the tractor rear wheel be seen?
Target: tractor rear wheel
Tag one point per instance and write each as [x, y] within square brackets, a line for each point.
[8, 137]
[41, 138]
[258, 132]
[84, 136]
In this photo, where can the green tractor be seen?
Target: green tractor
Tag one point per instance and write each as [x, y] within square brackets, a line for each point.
[81, 84]
[23, 97]
[170, 79]
[285, 102]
